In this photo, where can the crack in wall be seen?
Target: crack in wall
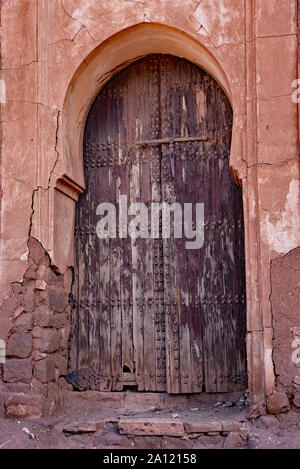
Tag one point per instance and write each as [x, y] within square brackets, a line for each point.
[33, 102]
[6, 178]
[262, 98]
[35, 191]
[75, 19]
[20, 66]
[279, 163]
[68, 39]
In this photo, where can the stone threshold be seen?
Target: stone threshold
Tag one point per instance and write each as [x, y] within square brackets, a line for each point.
[178, 427]
[161, 426]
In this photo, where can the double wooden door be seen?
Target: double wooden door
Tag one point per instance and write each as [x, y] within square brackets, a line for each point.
[147, 312]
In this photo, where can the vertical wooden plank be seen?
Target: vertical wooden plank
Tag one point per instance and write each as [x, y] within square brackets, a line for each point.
[79, 345]
[154, 338]
[138, 304]
[159, 280]
[126, 285]
[171, 292]
[104, 290]
[115, 297]
[146, 248]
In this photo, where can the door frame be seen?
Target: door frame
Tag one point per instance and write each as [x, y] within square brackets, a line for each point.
[96, 69]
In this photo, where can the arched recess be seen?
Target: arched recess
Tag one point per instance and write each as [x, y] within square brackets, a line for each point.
[178, 329]
[107, 59]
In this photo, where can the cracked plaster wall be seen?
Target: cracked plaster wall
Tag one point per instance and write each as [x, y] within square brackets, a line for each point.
[46, 45]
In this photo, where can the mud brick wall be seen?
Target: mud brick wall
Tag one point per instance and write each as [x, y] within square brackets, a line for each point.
[37, 344]
[285, 299]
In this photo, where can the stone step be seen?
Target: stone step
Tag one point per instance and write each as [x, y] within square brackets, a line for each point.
[151, 427]
[145, 426]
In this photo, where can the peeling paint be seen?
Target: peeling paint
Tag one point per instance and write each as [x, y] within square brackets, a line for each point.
[2, 91]
[252, 206]
[283, 235]
[24, 256]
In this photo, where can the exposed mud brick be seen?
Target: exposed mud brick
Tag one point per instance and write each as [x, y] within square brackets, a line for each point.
[23, 405]
[144, 426]
[234, 441]
[36, 354]
[31, 272]
[50, 340]
[17, 288]
[40, 285]
[53, 279]
[57, 298]
[60, 320]
[203, 426]
[278, 403]
[42, 269]
[40, 388]
[17, 371]
[44, 370]
[18, 387]
[18, 312]
[37, 332]
[36, 251]
[9, 305]
[296, 401]
[61, 364]
[65, 333]
[19, 345]
[23, 323]
[28, 301]
[45, 318]
[40, 297]
[285, 299]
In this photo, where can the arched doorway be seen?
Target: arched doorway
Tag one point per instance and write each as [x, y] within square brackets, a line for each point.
[148, 312]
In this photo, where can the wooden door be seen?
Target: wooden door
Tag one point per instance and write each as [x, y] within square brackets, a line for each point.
[147, 312]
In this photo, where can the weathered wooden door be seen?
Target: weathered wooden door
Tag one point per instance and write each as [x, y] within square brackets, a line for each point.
[148, 312]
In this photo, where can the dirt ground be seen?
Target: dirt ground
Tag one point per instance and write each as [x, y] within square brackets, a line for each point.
[80, 414]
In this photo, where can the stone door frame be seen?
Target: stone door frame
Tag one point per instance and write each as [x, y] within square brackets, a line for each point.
[106, 60]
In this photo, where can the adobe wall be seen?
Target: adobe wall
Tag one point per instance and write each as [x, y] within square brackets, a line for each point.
[55, 56]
